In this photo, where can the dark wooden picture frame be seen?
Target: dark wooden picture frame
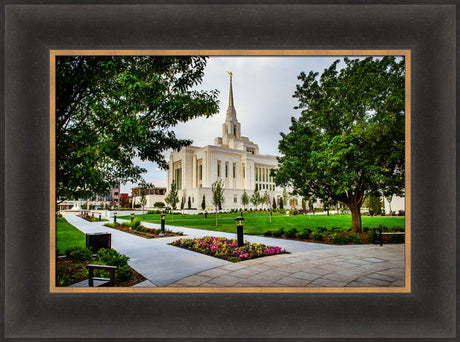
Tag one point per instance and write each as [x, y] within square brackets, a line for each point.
[31, 311]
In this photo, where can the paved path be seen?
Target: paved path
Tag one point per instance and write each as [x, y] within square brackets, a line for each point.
[309, 264]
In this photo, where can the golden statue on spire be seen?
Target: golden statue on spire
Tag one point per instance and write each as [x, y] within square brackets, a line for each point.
[230, 73]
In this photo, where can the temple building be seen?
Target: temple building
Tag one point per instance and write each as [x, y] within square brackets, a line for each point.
[234, 159]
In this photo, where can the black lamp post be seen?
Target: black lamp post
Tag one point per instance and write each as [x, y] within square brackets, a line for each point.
[132, 217]
[239, 230]
[114, 217]
[162, 231]
[206, 214]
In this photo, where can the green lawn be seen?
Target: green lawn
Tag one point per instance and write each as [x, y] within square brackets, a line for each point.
[67, 236]
[257, 224]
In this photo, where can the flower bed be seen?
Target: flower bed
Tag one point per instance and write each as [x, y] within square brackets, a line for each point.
[148, 233]
[227, 249]
[91, 218]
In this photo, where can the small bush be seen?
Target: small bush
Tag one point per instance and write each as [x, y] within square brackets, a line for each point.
[278, 232]
[151, 212]
[79, 254]
[335, 229]
[338, 239]
[124, 272]
[111, 257]
[291, 233]
[397, 238]
[370, 237]
[317, 236]
[353, 238]
[304, 235]
[158, 205]
[321, 229]
[268, 233]
[136, 224]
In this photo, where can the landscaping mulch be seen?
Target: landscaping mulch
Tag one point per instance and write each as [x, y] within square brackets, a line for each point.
[69, 272]
[145, 232]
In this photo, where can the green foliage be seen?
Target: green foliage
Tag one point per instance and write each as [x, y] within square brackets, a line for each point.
[189, 203]
[304, 234]
[136, 223]
[291, 233]
[256, 199]
[374, 203]
[203, 203]
[268, 233]
[338, 239]
[111, 257]
[317, 236]
[278, 233]
[397, 238]
[281, 203]
[151, 212]
[159, 205]
[245, 199]
[113, 109]
[79, 254]
[349, 139]
[353, 238]
[172, 198]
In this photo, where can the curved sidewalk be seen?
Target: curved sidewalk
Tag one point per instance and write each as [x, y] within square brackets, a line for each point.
[309, 264]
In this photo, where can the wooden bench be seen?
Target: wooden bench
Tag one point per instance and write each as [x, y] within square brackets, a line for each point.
[93, 281]
[378, 235]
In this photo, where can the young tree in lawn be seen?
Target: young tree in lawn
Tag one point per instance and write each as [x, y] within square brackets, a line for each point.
[244, 199]
[349, 138]
[274, 203]
[218, 198]
[172, 198]
[113, 109]
[311, 202]
[256, 199]
[203, 203]
[281, 203]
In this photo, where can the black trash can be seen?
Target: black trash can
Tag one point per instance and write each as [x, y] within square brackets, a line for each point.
[96, 241]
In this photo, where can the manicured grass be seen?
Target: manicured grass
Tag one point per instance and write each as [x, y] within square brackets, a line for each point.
[67, 236]
[258, 223]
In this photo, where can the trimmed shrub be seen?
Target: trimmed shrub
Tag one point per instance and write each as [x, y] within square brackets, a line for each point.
[338, 239]
[321, 229]
[136, 224]
[278, 232]
[304, 235]
[370, 237]
[79, 254]
[268, 233]
[291, 233]
[397, 238]
[317, 236]
[150, 212]
[353, 238]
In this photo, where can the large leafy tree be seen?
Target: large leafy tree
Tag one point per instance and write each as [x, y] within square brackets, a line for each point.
[111, 109]
[349, 139]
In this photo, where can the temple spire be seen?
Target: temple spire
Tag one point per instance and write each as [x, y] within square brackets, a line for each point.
[231, 112]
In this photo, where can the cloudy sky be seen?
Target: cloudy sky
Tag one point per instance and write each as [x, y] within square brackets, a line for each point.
[262, 92]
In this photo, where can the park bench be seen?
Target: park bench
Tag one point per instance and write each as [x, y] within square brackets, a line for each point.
[93, 281]
[378, 235]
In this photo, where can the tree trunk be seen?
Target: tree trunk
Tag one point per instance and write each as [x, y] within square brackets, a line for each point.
[216, 216]
[355, 218]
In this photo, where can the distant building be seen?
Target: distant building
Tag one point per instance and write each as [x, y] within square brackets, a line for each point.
[152, 195]
[234, 159]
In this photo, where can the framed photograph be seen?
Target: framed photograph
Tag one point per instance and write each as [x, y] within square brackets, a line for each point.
[413, 299]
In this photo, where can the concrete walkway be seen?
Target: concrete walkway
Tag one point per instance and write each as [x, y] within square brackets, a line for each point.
[308, 264]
